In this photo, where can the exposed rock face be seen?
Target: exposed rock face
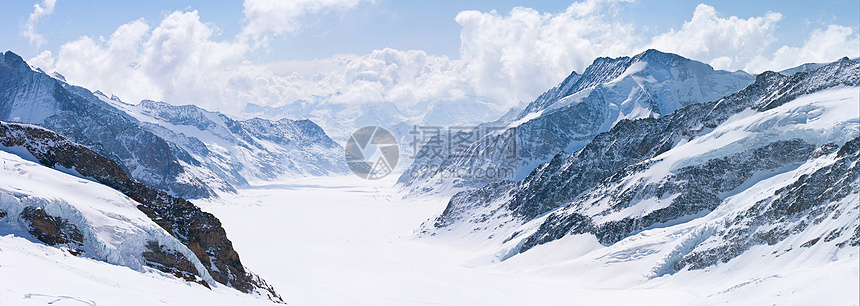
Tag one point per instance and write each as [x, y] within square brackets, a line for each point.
[201, 232]
[170, 261]
[792, 209]
[696, 189]
[28, 96]
[52, 230]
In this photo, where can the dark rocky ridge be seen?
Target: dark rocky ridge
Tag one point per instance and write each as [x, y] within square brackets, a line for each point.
[790, 210]
[172, 262]
[698, 187]
[200, 231]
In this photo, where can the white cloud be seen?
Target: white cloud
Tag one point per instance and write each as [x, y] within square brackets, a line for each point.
[509, 58]
[279, 17]
[29, 29]
[725, 43]
[176, 61]
[822, 46]
[516, 57]
[180, 61]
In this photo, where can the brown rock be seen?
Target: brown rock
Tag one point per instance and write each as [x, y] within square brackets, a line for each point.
[52, 230]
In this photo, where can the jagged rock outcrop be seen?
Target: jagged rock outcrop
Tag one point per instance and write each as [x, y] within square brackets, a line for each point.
[170, 261]
[54, 231]
[806, 202]
[691, 191]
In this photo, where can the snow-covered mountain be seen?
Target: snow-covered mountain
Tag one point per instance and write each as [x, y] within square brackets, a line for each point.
[567, 117]
[65, 195]
[184, 150]
[772, 170]
[227, 153]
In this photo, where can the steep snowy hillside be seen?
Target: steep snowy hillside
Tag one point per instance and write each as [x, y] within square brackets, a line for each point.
[772, 169]
[29, 96]
[228, 153]
[88, 219]
[567, 117]
[64, 219]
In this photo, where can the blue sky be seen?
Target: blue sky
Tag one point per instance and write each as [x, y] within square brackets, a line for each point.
[405, 25]
[405, 52]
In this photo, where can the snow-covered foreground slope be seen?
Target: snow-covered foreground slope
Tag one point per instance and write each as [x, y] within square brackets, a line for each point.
[51, 203]
[119, 249]
[99, 222]
[347, 241]
[35, 274]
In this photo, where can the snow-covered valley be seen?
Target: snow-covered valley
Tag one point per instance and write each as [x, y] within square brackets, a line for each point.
[348, 241]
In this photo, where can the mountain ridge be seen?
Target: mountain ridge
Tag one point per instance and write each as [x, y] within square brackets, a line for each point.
[661, 172]
[568, 116]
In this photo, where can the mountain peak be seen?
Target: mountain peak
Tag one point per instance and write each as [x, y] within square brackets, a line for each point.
[659, 56]
[10, 58]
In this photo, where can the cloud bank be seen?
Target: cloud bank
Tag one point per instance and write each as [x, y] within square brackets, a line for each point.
[509, 58]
